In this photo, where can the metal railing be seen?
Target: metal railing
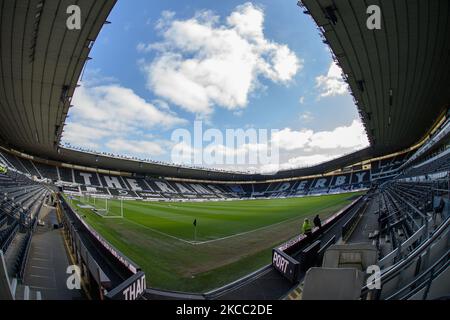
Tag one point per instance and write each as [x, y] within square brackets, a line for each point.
[423, 281]
[396, 270]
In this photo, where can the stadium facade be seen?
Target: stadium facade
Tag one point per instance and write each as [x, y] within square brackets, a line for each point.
[399, 78]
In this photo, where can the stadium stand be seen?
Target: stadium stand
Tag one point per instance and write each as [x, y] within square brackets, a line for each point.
[21, 200]
[134, 186]
[47, 171]
[401, 224]
[65, 174]
[439, 163]
[404, 237]
[117, 185]
[406, 222]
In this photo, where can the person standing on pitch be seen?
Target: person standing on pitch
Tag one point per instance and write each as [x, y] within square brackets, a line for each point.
[307, 228]
[195, 230]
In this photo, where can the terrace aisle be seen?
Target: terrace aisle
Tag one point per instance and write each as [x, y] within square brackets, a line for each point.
[48, 261]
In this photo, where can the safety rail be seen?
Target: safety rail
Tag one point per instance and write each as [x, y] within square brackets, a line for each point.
[8, 240]
[25, 255]
[445, 129]
[394, 271]
[129, 285]
[351, 223]
[422, 281]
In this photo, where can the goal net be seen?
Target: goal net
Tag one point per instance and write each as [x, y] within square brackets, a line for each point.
[102, 206]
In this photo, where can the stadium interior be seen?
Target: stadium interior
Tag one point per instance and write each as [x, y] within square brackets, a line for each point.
[397, 219]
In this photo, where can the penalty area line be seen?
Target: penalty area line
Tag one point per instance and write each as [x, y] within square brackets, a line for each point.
[255, 230]
[160, 232]
[195, 243]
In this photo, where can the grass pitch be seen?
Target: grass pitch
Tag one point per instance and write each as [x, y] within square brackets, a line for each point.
[233, 238]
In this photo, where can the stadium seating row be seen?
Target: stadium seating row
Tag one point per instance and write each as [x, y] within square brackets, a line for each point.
[440, 163]
[20, 202]
[165, 189]
[76, 181]
[407, 219]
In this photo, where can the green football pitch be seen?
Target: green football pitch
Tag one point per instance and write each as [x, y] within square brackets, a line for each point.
[232, 238]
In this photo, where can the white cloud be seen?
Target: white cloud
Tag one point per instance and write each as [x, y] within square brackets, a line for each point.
[141, 148]
[301, 100]
[82, 135]
[297, 162]
[109, 116]
[141, 47]
[303, 161]
[332, 84]
[166, 17]
[288, 139]
[202, 64]
[296, 149]
[238, 113]
[183, 153]
[306, 117]
[345, 137]
[217, 154]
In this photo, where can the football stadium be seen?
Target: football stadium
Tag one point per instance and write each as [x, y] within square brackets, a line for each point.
[81, 222]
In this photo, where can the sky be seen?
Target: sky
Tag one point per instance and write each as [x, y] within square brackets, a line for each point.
[163, 67]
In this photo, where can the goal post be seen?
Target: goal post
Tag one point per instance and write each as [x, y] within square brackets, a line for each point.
[104, 207]
[113, 207]
[101, 203]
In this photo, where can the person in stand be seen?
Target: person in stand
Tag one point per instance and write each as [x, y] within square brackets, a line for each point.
[307, 228]
[317, 222]
[439, 209]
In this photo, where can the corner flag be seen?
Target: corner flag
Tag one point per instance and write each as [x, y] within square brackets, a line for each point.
[195, 222]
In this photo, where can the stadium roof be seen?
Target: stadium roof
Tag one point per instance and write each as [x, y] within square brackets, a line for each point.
[399, 75]
[41, 62]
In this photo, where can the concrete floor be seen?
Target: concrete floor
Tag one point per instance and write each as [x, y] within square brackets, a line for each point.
[48, 261]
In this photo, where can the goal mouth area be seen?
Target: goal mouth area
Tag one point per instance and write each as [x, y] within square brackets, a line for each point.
[106, 214]
[100, 206]
[85, 206]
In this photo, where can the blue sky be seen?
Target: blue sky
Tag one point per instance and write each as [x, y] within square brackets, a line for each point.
[161, 65]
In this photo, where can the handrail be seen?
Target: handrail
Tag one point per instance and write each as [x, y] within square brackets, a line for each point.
[8, 241]
[424, 275]
[445, 128]
[407, 243]
[24, 263]
[390, 273]
[411, 206]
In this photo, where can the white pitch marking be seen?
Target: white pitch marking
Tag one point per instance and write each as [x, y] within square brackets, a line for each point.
[254, 230]
[218, 239]
[213, 240]
[160, 232]
[244, 233]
